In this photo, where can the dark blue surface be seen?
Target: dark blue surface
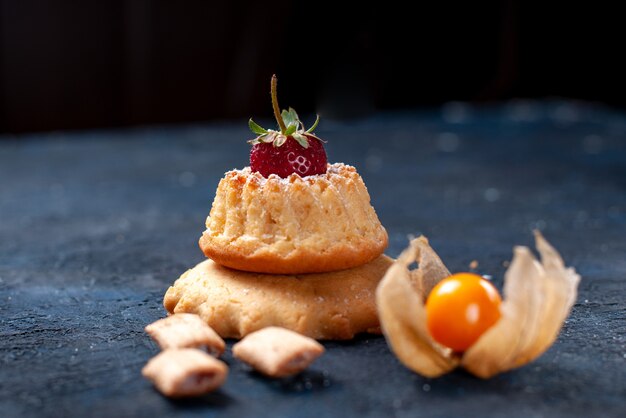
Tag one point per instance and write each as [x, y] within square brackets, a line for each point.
[95, 226]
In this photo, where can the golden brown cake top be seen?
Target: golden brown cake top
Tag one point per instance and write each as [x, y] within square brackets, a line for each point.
[246, 175]
[296, 224]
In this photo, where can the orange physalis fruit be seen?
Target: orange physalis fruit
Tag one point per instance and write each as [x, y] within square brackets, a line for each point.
[460, 309]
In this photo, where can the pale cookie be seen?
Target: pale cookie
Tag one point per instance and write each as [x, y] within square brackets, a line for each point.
[277, 352]
[185, 331]
[332, 306]
[185, 372]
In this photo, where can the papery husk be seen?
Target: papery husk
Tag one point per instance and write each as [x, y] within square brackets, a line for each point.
[538, 297]
[400, 303]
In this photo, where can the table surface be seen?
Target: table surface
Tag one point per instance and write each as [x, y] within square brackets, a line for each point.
[94, 227]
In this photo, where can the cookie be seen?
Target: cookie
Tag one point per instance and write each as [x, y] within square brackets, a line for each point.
[185, 372]
[330, 306]
[277, 352]
[185, 331]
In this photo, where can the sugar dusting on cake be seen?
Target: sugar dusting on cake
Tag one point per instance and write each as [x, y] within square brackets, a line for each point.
[335, 169]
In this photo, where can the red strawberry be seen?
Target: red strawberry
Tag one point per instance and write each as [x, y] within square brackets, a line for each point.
[290, 150]
[291, 157]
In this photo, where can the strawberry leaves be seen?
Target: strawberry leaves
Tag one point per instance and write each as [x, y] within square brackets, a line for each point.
[312, 128]
[289, 124]
[290, 117]
[290, 129]
[256, 128]
[295, 129]
[302, 140]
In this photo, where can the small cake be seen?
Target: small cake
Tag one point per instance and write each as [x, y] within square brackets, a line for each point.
[310, 224]
[292, 242]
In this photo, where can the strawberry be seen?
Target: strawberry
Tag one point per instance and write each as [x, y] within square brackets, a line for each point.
[291, 157]
[290, 150]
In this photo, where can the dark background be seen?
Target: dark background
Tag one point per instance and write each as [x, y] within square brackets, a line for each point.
[88, 64]
[96, 224]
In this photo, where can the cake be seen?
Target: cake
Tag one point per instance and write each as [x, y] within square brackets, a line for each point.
[292, 242]
[295, 225]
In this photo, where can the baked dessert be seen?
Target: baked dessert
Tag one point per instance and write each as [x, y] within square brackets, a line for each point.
[292, 242]
[327, 306]
[185, 331]
[316, 223]
[277, 352]
[185, 372]
[291, 212]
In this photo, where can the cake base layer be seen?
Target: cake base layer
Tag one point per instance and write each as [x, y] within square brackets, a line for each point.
[327, 306]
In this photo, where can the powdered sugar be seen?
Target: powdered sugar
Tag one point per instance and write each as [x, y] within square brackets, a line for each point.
[335, 169]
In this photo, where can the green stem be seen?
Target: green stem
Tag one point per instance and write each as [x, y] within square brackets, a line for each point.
[279, 118]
